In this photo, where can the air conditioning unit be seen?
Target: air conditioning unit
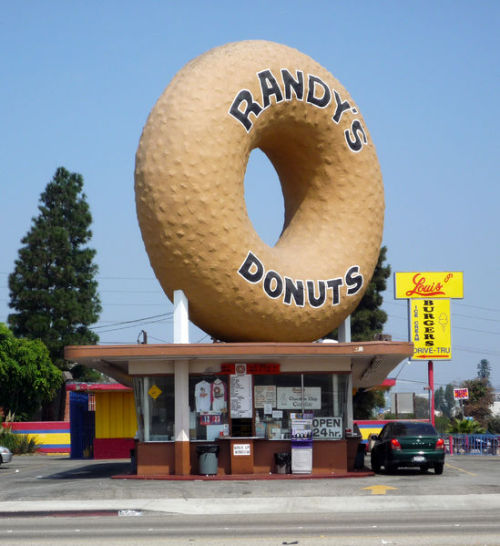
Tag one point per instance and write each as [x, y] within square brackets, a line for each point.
[382, 337]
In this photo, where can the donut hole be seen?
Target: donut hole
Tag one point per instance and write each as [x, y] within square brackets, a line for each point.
[299, 154]
[264, 198]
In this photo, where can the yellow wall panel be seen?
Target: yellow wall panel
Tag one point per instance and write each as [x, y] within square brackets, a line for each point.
[115, 415]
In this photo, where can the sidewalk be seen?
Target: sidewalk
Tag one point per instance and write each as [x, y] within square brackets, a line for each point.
[263, 505]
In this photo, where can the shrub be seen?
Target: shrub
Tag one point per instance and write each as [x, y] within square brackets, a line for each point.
[17, 443]
[465, 426]
[442, 423]
[494, 424]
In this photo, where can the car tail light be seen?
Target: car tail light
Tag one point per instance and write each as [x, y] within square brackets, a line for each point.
[395, 444]
[440, 444]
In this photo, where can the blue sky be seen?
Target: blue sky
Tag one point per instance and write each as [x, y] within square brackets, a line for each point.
[79, 79]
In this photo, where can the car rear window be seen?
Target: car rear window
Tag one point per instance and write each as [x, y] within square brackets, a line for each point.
[414, 429]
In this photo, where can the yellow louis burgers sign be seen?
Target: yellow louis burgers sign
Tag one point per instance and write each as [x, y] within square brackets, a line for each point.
[443, 284]
[430, 329]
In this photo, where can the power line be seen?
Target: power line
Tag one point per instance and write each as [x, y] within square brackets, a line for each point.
[478, 307]
[132, 304]
[123, 322]
[157, 339]
[458, 303]
[132, 326]
[476, 318]
[454, 327]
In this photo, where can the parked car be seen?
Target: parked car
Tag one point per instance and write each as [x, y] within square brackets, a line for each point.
[404, 443]
[5, 455]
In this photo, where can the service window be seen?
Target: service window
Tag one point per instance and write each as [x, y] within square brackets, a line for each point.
[278, 397]
[155, 406]
[208, 407]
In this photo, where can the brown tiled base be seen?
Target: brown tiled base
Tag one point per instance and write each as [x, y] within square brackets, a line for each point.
[243, 477]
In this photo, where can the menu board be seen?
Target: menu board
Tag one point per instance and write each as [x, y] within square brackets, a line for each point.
[241, 396]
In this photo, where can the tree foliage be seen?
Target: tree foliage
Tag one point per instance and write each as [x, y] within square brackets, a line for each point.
[368, 319]
[441, 423]
[422, 410]
[52, 289]
[465, 426]
[365, 403]
[444, 400]
[481, 397]
[484, 369]
[27, 376]
[494, 424]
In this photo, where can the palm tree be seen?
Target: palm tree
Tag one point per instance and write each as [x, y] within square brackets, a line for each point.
[465, 426]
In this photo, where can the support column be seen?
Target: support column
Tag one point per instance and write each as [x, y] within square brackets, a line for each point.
[181, 393]
[350, 420]
[181, 317]
[145, 409]
[345, 331]
[181, 387]
[336, 395]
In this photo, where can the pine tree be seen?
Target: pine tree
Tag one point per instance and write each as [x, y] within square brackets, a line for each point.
[484, 369]
[444, 400]
[53, 290]
[368, 319]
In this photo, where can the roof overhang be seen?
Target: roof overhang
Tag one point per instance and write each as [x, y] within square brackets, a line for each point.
[371, 361]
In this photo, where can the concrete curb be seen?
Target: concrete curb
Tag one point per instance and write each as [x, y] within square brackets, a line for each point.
[262, 505]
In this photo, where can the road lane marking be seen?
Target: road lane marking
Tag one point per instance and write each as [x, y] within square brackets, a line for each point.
[379, 489]
[460, 469]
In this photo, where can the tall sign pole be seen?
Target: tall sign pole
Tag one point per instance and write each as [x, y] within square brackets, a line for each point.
[429, 318]
[430, 373]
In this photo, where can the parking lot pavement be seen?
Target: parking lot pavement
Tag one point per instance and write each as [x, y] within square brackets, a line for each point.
[41, 483]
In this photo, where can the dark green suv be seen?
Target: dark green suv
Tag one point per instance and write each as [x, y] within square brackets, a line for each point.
[406, 443]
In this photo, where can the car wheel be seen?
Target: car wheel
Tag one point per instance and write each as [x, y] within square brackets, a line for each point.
[438, 468]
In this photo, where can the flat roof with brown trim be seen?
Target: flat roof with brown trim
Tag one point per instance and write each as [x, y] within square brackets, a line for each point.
[371, 360]
[180, 351]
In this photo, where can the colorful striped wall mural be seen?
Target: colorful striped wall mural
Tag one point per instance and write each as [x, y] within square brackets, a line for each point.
[51, 436]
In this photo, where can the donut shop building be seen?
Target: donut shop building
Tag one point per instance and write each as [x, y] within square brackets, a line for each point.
[244, 402]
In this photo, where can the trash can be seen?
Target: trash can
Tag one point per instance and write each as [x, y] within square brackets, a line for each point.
[282, 462]
[208, 459]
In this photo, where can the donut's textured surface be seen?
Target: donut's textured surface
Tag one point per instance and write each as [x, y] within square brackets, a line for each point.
[189, 183]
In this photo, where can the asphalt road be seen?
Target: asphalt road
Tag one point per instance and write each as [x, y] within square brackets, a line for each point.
[426, 528]
[462, 506]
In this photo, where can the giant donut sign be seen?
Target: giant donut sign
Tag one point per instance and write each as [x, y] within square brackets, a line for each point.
[189, 183]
